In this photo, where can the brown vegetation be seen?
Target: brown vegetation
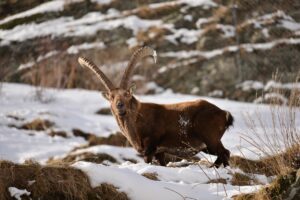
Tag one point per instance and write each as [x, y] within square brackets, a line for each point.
[116, 139]
[52, 182]
[37, 125]
[89, 157]
[151, 176]
[242, 179]
[104, 111]
[285, 186]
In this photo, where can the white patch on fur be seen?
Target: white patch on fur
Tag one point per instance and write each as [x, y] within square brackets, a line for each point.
[184, 122]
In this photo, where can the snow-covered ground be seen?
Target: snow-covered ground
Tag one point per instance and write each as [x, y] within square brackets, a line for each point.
[75, 108]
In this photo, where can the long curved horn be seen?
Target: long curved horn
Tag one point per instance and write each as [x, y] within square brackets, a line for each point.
[135, 58]
[84, 62]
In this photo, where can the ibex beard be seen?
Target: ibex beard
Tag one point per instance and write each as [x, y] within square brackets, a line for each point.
[181, 129]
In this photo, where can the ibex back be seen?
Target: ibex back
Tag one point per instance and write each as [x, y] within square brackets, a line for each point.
[181, 129]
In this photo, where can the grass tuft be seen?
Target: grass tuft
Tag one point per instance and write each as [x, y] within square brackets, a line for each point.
[53, 182]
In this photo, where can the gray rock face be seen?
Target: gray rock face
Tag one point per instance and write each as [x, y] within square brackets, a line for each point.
[202, 48]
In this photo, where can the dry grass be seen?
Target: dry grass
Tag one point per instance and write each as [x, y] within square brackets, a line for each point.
[217, 180]
[151, 176]
[53, 133]
[147, 12]
[80, 133]
[280, 188]
[242, 179]
[108, 192]
[37, 125]
[52, 182]
[278, 134]
[114, 139]
[89, 157]
[104, 111]
[278, 143]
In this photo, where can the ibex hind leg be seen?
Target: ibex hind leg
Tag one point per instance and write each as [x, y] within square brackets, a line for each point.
[160, 157]
[219, 150]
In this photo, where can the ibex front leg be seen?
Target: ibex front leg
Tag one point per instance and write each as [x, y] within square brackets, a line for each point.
[149, 149]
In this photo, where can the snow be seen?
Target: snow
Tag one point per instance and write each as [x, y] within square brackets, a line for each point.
[228, 30]
[272, 97]
[206, 4]
[132, 42]
[17, 193]
[74, 49]
[216, 52]
[66, 111]
[277, 85]
[51, 6]
[68, 26]
[137, 187]
[74, 108]
[184, 35]
[102, 1]
[250, 85]
[26, 65]
[290, 25]
[201, 21]
[120, 153]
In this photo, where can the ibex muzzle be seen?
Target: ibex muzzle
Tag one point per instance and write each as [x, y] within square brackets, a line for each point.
[182, 129]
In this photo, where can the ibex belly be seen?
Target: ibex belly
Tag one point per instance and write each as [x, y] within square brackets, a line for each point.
[182, 147]
[182, 151]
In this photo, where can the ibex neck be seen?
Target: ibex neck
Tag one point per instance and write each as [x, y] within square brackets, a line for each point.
[127, 123]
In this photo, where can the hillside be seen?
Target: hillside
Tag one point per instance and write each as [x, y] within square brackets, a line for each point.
[60, 133]
[59, 139]
[218, 48]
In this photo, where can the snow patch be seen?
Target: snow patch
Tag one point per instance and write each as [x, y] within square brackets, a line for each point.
[102, 1]
[17, 193]
[74, 49]
[51, 6]
[250, 85]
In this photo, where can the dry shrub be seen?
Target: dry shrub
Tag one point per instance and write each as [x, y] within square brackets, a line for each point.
[89, 157]
[52, 182]
[152, 35]
[37, 125]
[80, 133]
[104, 111]
[53, 133]
[60, 183]
[107, 192]
[147, 12]
[223, 15]
[277, 141]
[283, 187]
[251, 166]
[151, 176]
[217, 180]
[242, 179]
[42, 96]
[116, 139]
[280, 152]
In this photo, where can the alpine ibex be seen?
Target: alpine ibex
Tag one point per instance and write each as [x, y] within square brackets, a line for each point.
[155, 129]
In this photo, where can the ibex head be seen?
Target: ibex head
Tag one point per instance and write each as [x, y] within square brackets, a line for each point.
[119, 97]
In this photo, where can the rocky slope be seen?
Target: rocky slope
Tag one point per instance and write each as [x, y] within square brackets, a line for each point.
[220, 48]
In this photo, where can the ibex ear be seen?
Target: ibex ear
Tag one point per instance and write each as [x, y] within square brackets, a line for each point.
[132, 88]
[105, 95]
